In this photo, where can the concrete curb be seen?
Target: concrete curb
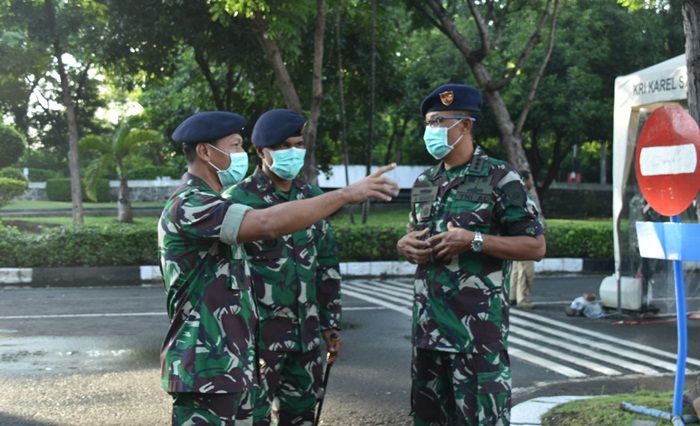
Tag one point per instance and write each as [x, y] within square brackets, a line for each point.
[135, 275]
[529, 413]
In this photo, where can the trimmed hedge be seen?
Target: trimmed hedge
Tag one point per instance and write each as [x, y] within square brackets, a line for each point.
[58, 189]
[80, 246]
[123, 244]
[11, 188]
[12, 173]
[42, 175]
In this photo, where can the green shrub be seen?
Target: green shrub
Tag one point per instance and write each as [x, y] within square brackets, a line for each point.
[58, 189]
[11, 188]
[80, 246]
[12, 145]
[42, 175]
[12, 173]
[122, 244]
[576, 238]
[362, 242]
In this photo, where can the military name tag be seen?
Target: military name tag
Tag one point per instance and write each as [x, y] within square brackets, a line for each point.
[424, 195]
[477, 190]
[474, 197]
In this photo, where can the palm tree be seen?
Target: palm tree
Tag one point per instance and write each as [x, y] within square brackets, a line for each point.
[109, 153]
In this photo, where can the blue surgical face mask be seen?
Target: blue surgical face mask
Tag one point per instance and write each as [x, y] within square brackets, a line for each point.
[236, 169]
[436, 141]
[287, 163]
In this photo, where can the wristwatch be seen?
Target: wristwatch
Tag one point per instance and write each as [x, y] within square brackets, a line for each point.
[477, 242]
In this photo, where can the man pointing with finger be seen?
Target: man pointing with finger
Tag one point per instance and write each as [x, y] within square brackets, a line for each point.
[468, 214]
[208, 358]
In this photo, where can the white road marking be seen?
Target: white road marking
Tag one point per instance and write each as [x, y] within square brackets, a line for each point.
[560, 355]
[391, 306]
[363, 308]
[374, 294]
[545, 363]
[379, 289]
[577, 348]
[400, 298]
[617, 341]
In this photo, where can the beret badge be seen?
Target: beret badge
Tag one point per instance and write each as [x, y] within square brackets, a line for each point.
[447, 97]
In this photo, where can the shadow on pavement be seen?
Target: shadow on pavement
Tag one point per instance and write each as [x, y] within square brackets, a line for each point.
[12, 420]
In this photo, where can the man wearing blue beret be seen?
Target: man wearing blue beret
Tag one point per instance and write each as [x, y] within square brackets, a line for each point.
[208, 361]
[469, 214]
[296, 277]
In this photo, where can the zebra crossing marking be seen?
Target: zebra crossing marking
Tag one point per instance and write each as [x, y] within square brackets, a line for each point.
[529, 330]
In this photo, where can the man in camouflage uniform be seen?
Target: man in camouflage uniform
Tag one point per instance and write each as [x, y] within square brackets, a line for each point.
[468, 214]
[208, 361]
[296, 277]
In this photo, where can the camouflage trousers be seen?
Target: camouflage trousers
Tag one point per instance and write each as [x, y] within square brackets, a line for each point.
[221, 409]
[291, 384]
[460, 389]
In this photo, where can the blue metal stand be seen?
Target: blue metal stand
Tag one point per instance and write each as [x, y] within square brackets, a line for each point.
[682, 328]
[677, 242]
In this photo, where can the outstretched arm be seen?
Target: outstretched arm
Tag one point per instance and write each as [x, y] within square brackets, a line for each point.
[286, 218]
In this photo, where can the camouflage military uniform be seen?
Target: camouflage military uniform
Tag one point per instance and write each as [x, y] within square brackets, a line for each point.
[297, 288]
[210, 346]
[461, 370]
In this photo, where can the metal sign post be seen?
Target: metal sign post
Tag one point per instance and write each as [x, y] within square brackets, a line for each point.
[668, 175]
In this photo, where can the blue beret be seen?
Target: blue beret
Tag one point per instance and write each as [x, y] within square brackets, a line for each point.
[208, 126]
[275, 126]
[452, 97]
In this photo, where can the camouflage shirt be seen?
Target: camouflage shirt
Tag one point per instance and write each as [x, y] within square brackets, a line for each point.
[210, 346]
[296, 278]
[460, 306]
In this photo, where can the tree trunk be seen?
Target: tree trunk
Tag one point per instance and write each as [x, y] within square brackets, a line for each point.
[316, 94]
[211, 80]
[274, 55]
[124, 211]
[691, 26]
[343, 120]
[370, 137]
[73, 163]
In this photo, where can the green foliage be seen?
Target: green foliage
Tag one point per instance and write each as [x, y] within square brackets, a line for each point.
[119, 244]
[11, 188]
[353, 242]
[12, 173]
[79, 246]
[12, 145]
[108, 153]
[587, 239]
[42, 175]
[58, 189]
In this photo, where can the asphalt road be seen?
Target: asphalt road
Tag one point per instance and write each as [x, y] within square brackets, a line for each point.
[85, 356]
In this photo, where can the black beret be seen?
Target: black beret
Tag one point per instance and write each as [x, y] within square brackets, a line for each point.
[275, 126]
[208, 126]
[452, 97]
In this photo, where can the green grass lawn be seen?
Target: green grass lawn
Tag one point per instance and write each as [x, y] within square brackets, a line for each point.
[606, 411]
[49, 205]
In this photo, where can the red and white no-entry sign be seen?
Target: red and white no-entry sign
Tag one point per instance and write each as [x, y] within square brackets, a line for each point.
[668, 160]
